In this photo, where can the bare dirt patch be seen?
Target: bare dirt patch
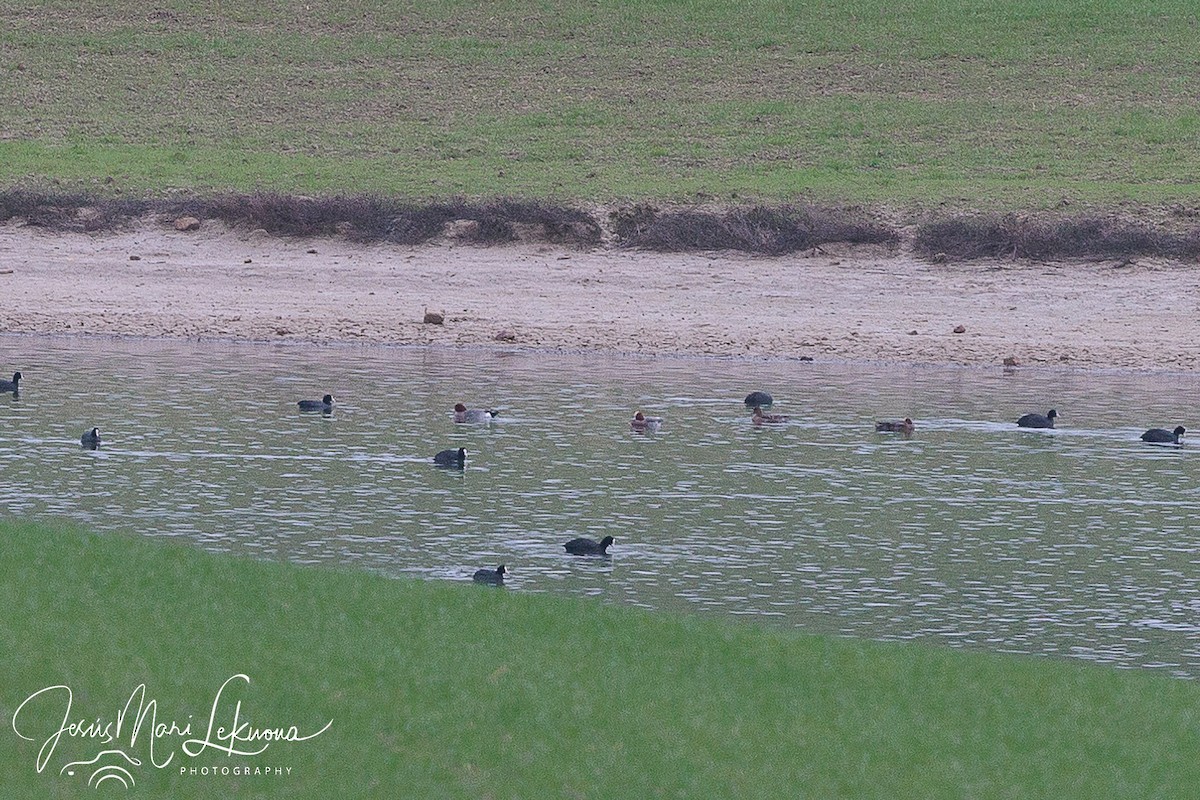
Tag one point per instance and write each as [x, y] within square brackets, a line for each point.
[836, 302]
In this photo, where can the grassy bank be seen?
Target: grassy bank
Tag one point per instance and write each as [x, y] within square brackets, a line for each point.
[463, 691]
[1010, 105]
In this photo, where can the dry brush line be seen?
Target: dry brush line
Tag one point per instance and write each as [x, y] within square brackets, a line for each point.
[364, 218]
[1011, 236]
[69, 211]
[758, 229]
[766, 230]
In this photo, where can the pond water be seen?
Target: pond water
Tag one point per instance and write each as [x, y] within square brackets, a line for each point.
[1078, 542]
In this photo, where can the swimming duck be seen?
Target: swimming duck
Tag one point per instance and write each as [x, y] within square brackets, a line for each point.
[324, 404]
[760, 418]
[641, 423]
[584, 546]
[13, 385]
[1161, 436]
[464, 414]
[493, 577]
[90, 439]
[1037, 420]
[759, 399]
[451, 458]
[903, 426]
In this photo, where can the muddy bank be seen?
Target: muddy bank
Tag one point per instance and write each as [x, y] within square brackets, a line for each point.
[863, 303]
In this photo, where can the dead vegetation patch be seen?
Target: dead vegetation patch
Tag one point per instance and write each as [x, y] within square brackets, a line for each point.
[363, 218]
[1012, 236]
[367, 218]
[70, 211]
[758, 229]
[765, 230]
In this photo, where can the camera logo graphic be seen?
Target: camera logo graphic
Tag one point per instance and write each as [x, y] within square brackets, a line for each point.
[104, 772]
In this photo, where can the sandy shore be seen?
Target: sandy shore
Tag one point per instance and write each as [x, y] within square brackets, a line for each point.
[868, 305]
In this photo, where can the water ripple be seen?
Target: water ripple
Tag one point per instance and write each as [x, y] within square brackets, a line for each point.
[1076, 542]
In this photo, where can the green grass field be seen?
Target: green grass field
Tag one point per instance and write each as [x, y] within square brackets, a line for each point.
[906, 103]
[447, 691]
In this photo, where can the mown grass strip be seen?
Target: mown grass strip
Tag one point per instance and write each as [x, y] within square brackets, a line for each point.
[917, 103]
[440, 690]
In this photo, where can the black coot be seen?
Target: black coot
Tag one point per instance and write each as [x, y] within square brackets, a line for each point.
[451, 458]
[1037, 420]
[584, 546]
[759, 399]
[495, 577]
[324, 404]
[1161, 436]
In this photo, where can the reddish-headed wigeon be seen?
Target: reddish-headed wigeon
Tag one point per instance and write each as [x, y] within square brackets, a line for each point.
[464, 414]
[759, 417]
[903, 426]
[641, 423]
